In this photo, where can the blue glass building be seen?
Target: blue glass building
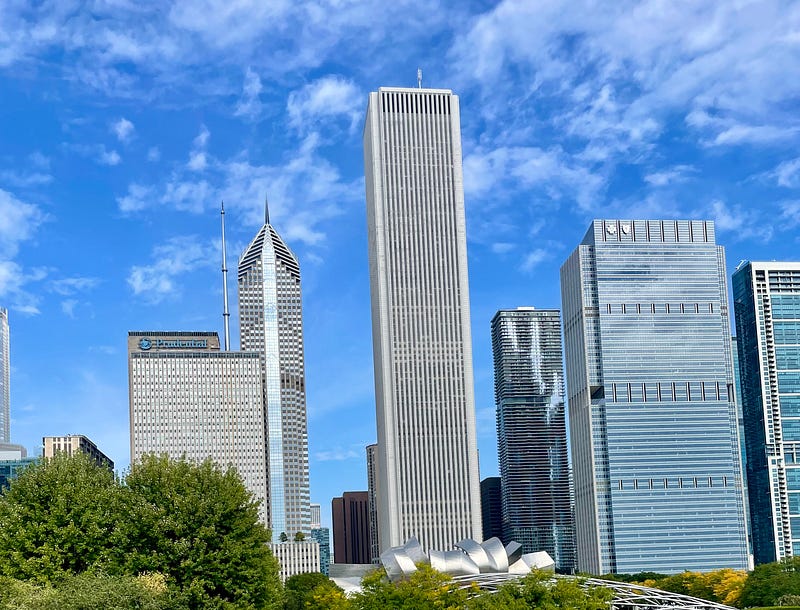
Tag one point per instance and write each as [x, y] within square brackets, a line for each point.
[653, 430]
[767, 307]
[323, 537]
[10, 469]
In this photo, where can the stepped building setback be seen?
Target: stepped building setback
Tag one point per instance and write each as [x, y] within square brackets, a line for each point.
[422, 346]
[653, 426]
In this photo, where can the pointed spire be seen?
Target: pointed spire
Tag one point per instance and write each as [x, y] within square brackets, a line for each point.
[266, 210]
[225, 313]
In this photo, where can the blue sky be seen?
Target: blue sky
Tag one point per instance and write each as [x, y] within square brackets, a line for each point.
[123, 124]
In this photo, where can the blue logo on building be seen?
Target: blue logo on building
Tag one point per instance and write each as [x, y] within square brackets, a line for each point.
[145, 344]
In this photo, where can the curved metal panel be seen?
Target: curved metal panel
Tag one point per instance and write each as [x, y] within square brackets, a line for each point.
[476, 553]
[497, 554]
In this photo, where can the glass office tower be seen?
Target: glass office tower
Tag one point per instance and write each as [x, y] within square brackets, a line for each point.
[767, 306]
[532, 433]
[422, 345]
[653, 430]
[270, 323]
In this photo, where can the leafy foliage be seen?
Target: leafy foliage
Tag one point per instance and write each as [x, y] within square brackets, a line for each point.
[313, 591]
[539, 590]
[87, 591]
[60, 517]
[425, 588]
[723, 586]
[770, 582]
[189, 532]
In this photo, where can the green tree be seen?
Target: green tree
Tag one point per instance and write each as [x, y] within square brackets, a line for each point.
[86, 591]
[284, 537]
[199, 527]
[313, 591]
[61, 516]
[425, 588]
[541, 590]
[771, 581]
[299, 537]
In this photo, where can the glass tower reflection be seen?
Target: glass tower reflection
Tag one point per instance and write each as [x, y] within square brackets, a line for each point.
[653, 430]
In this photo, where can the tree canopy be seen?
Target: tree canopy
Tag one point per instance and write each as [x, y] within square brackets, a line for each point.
[770, 582]
[194, 525]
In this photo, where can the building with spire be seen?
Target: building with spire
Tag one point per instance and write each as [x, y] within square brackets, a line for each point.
[422, 343]
[271, 324]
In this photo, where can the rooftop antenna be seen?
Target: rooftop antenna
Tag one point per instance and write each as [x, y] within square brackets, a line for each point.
[266, 210]
[419, 78]
[225, 313]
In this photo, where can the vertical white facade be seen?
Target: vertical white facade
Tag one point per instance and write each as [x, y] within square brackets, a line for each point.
[373, 483]
[296, 557]
[270, 322]
[5, 378]
[427, 451]
[189, 399]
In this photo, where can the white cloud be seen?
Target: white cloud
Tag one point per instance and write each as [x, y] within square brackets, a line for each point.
[739, 222]
[21, 179]
[249, 104]
[502, 247]
[18, 222]
[68, 307]
[669, 176]
[175, 258]
[788, 173]
[71, 285]
[201, 141]
[533, 259]
[109, 157]
[328, 97]
[14, 282]
[197, 161]
[790, 212]
[555, 174]
[138, 198]
[340, 454]
[123, 129]
[153, 153]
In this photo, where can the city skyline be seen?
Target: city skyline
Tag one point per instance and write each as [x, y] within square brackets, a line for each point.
[124, 127]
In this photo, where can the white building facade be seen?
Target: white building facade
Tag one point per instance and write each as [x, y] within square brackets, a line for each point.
[188, 398]
[5, 378]
[422, 346]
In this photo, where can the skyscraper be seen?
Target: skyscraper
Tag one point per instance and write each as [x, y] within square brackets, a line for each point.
[73, 444]
[422, 347]
[532, 432]
[372, 491]
[350, 520]
[5, 378]
[270, 323]
[653, 429]
[188, 398]
[492, 508]
[767, 307]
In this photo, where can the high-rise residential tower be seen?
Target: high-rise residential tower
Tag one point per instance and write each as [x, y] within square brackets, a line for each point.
[270, 323]
[767, 307]
[653, 430]
[5, 377]
[532, 432]
[422, 346]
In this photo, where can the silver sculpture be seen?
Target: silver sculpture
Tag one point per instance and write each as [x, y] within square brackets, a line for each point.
[469, 558]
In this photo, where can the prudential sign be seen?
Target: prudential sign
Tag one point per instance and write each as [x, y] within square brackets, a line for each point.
[146, 344]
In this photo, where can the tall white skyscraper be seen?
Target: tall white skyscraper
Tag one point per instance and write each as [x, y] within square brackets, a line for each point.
[653, 427]
[427, 451]
[270, 322]
[5, 377]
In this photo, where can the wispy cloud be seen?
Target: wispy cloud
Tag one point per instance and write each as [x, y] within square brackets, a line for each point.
[175, 258]
[71, 285]
[108, 157]
[788, 173]
[18, 222]
[249, 105]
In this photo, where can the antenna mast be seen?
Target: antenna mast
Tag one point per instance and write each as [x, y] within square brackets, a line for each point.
[419, 78]
[225, 313]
